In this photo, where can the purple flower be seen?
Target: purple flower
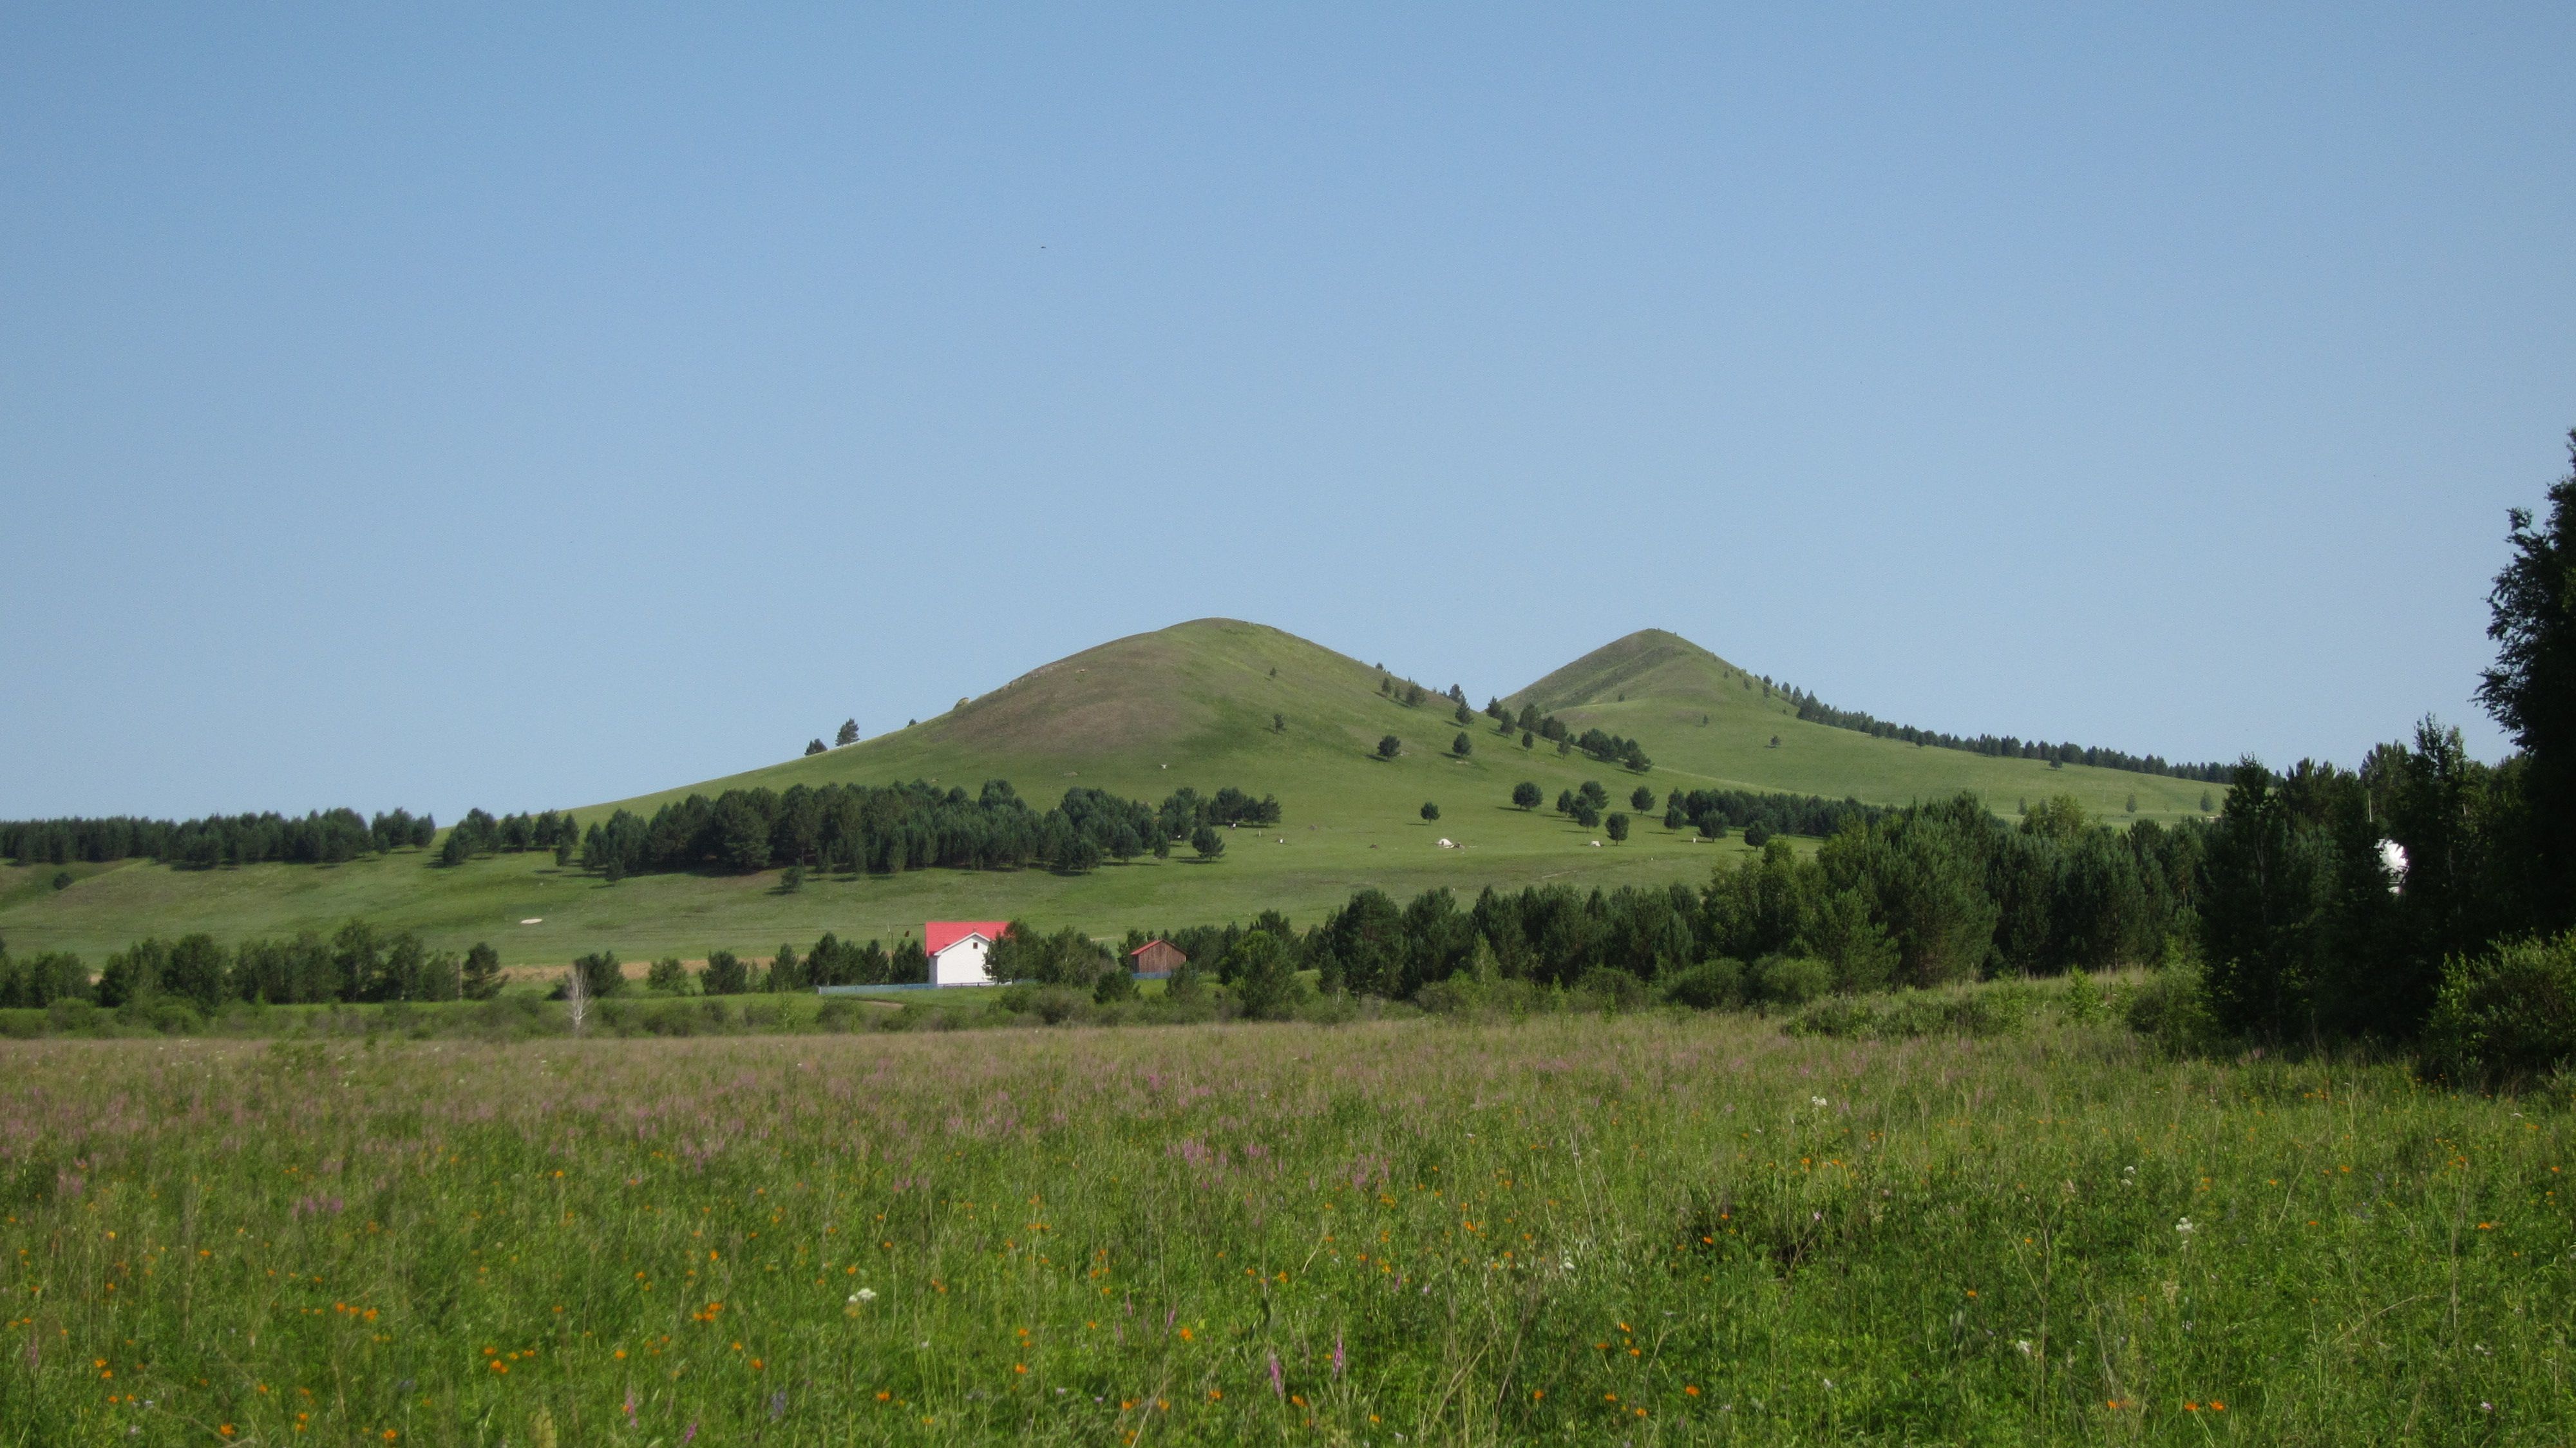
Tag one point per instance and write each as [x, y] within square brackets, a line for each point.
[1337, 1353]
[690, 1434]
[1278, 1389]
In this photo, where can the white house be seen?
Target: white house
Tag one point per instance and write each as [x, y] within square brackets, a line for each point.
[957, 949]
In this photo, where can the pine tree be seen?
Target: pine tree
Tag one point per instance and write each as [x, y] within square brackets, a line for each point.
[1462, 746]
[849, 733]
[1430, 811]
[482, 978]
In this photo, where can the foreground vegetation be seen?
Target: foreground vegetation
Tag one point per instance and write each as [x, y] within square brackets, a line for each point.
[1644, 1228]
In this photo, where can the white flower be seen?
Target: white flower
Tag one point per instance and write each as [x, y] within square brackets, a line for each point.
[2024, 1344]
[2184, 1226]
[1815, 1101]
[864, 1294]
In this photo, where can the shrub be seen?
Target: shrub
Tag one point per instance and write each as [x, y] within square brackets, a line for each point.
[1606, 989]
[2506, 1016]
[1708, 986]
[1790, 980]
[2172, 1005]
[667, 977]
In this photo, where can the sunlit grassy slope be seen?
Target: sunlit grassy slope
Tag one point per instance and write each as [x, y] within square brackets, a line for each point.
[1207, 704]
[1701, 716]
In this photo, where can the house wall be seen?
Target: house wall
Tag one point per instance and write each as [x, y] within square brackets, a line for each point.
[960, 964]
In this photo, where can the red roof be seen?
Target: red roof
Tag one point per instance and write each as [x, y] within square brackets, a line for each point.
[938, 935]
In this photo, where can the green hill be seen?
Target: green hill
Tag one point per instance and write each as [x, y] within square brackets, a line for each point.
[1208, 704]
[1702, 717]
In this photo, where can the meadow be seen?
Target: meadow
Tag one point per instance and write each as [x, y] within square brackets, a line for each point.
[1629, 1229]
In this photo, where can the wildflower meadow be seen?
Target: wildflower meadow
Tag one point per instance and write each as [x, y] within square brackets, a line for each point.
[1633, 1230]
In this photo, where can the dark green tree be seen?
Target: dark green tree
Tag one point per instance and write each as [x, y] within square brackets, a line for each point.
[2531, 690]
[1207, 842]
[667, 977]
[1641, 799]
[849, 732]
[1389, 747]
[1466, 716]
[1616, 827]
[1591, 792]
[1528, 739]
[1462, 746]
[482, 978]
[813, 747]
[1430, 811]
[725, 974]
[1264, 976]
[1526, 795]
[196, 971]
[601, 974]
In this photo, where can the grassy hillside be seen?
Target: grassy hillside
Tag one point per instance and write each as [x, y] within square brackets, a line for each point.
[1208, 704]
[1702, 717]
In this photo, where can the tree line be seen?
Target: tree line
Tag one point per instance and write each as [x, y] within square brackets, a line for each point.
[323, 837]
[867, 828]
[358, 963]
[2459, 936]
[1999, 746]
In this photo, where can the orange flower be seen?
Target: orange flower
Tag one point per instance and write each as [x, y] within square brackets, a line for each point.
[1019, 1367]
[1694, 1392]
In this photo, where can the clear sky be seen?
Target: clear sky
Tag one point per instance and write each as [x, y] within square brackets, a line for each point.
[403, 406]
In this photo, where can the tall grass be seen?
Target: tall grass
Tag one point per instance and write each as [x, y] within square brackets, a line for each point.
[1633, 1230]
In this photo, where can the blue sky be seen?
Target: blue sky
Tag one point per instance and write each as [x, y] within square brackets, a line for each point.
[436, 409]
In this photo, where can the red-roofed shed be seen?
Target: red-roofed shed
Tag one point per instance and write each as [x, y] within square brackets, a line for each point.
[957, 949]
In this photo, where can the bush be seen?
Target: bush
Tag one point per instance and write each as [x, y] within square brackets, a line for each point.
[1606, 989]
[1708, 986]
[667, 977]
[2507, 1016]
[2171, 1005]
[1790, 980]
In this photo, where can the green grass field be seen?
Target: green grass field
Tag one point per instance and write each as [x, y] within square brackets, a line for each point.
[1193, 704]
[1637, 1230]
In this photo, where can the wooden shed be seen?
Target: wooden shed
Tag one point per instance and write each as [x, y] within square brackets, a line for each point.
[1156, 959]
